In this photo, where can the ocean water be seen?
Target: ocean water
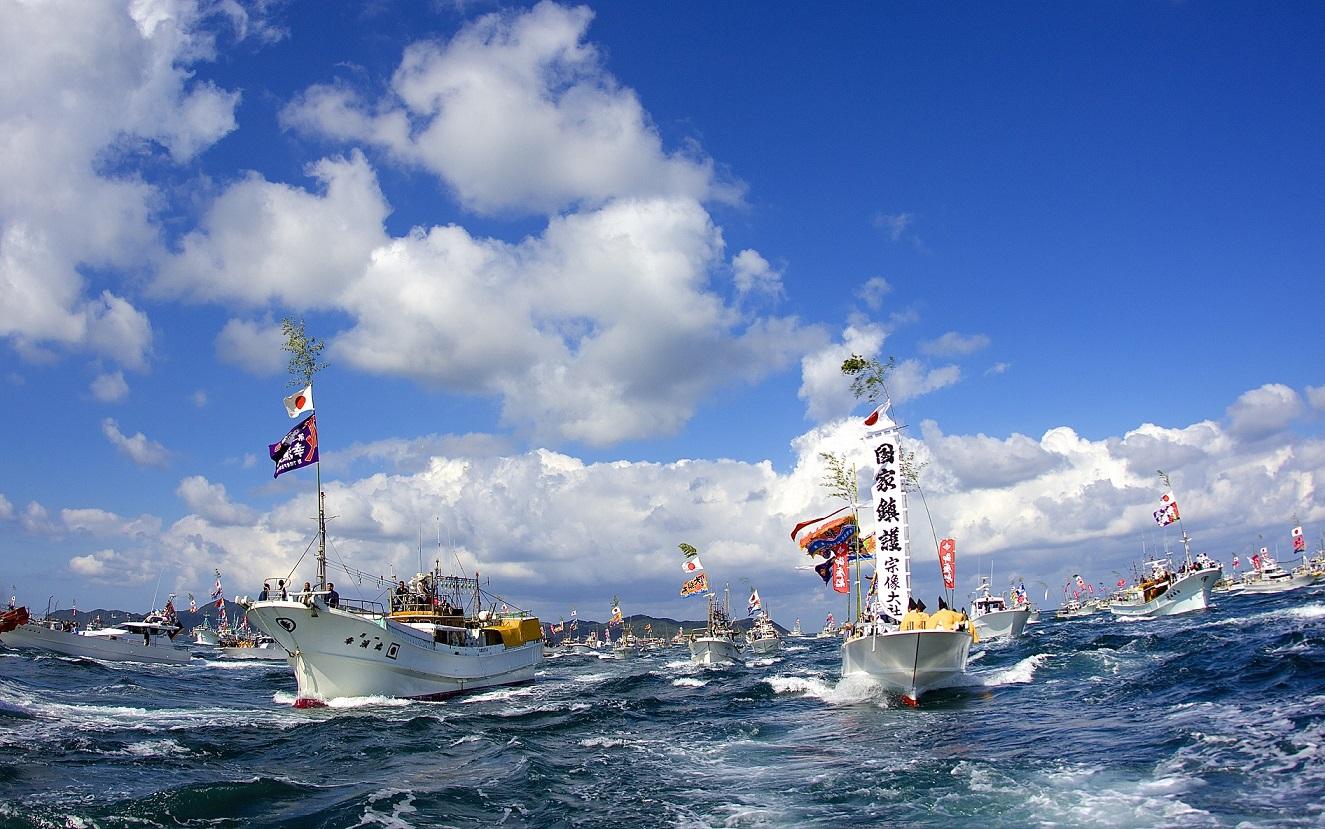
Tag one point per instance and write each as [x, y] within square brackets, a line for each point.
[1210, 719]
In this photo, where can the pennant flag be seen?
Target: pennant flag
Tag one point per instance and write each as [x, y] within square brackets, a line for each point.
[300, 402]
[699, 584]
[825, 570]
[754, 603]
[1168, 510]
[802, 525]
[948, 562]
[691, 565]
[297, 449]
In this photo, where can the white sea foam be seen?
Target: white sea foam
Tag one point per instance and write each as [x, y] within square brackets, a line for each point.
[593, 677]
[154, 748]
[400, 806]
[1018, 674]
[764, 662]
[498, 695]
[689, 682]
[375, 701]
[850, 690]
[602, 742]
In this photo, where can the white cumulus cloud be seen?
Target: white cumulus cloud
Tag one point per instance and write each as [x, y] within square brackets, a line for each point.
[138, 448]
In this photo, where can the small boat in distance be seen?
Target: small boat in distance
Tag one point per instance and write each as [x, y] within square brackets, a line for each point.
[829, 630]
[151, 640]
[717, 645]
[993, 618]
[1167, 590]
[796, 632]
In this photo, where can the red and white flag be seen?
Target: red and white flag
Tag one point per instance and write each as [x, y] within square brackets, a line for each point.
[691, 565]
[300, 402]
[1299, 542]
[841, 581]
[947, 562]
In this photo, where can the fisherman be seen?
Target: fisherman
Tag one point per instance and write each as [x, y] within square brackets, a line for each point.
[333, 598]
[280, 588]
[266, 588]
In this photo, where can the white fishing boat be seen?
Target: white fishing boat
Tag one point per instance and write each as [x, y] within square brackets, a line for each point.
[428, 645]
[1167, 591]
[151, 640]
[830, 629]
[434, 638]
[796, 632]
[1269, 577]
[909, 654]
[627, 645]
[992, 617]
[763, 638]
[717, 645]
[205, 635]
[1074, 609]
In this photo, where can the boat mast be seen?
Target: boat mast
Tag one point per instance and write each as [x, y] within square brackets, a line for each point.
[1186, 539]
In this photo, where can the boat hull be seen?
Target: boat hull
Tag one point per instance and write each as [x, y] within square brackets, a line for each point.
[337, 654]
[1190, 592]
[1001, 624]
[765, 646]
[908, 662]
[713, 650]
[209, 638]
[126, 648]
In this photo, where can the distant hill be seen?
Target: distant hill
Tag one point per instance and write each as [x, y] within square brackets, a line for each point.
[186, 618]
[662, 627]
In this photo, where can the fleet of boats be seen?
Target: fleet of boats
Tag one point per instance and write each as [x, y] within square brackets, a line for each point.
[440, 634]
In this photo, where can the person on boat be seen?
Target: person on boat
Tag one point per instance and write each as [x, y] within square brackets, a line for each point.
[333, 598]
[266, 590]
[280, 588]
[402, 594]
[945, 618]
[915, 618]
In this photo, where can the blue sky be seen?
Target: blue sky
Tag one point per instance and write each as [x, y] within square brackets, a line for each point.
[586, 274]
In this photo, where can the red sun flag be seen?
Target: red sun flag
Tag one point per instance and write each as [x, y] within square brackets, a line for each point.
[880, 410]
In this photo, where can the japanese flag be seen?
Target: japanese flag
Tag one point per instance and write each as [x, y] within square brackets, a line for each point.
[691, 565]
[300, 402]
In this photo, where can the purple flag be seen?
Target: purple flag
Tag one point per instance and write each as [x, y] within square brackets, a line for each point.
[297, 449]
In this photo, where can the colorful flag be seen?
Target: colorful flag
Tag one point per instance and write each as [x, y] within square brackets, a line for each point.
[830, 538]
[691, 565]
[297, 449]
[1299, 542]
[841, 579]
[1168, 510]
[1235, 562]
[947, 562]
[616, 615]
[1256, 560]
[300, 402]
[802, 525]
[754, 603]
[825, 570]
[1122, 582]
[699, 584]
[574, 621]
[193, 604]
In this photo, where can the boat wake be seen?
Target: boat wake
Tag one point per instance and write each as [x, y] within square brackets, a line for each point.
[852, 690]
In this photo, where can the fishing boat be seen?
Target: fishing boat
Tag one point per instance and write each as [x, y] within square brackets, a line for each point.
[679, 640]
[717, 645]
[205, 635]
[796, 632]
[244, 643]
[830, 629]
[151, 640]
[438, 636]
[1167, 590]
[1074, 609]
[627, 646]
[763, 638]
[434, 641]
[993, 618]
[906, 653]
[1267, 576]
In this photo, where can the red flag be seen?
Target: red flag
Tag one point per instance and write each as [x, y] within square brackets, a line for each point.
[841, 582]
[802, 525]
[882, 408]
[948, 562]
